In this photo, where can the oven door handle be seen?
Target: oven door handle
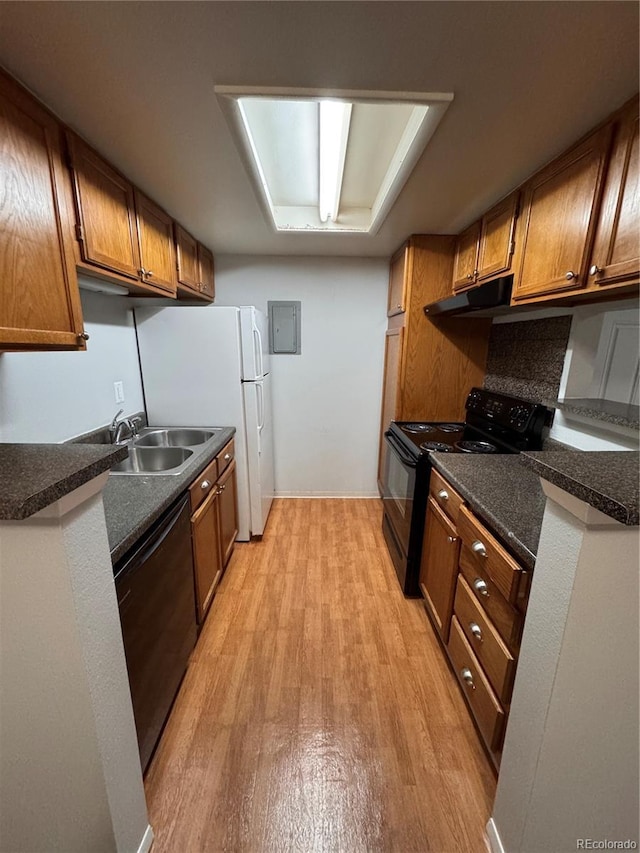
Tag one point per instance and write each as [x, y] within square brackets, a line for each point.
[398, 450]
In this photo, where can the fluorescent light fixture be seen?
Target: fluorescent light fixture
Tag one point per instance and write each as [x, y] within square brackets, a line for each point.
[335, 117]
[99, 286]
[329, 161]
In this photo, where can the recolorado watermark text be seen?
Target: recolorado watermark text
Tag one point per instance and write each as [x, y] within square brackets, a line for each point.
[605, 844]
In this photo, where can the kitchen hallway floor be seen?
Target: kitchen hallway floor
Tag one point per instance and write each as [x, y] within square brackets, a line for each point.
[318, 712]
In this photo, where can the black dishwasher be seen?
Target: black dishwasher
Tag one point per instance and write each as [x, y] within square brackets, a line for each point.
[155, 588]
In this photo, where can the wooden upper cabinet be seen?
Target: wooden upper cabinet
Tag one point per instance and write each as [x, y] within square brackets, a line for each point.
[615, 256]
[207, 282]
[186, 260]
[397, 281]
[560, 205]
[39, 298]
[106, 221]
[155, 241]
[497, 239]
[465, 263]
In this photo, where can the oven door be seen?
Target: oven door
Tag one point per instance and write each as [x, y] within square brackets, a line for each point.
[398, 483]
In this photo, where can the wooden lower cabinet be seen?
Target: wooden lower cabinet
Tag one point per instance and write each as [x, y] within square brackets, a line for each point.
[228, 502]
[207, 557]
[439, 567]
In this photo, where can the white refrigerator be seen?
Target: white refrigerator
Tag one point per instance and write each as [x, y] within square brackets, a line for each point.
[210, 367]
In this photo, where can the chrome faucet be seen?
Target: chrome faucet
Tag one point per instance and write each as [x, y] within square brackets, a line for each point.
[117, 428]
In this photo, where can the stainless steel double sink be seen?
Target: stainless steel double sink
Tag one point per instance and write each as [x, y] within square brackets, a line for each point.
[166, 450]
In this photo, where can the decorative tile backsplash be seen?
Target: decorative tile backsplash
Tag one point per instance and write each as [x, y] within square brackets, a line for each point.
[526, 358]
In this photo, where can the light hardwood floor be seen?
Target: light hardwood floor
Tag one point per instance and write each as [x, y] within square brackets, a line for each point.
[318, 712]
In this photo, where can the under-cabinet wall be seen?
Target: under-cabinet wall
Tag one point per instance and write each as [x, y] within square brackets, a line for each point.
[326, 401]
[53, 396]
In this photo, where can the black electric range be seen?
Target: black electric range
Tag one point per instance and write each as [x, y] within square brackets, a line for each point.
[494, 423]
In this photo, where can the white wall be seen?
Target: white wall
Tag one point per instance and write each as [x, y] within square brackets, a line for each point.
[326, 401]
[52, 396]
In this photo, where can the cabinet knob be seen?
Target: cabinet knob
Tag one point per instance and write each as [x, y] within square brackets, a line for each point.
[467, 677]
[149, 273]
[469, 276]
[479, 549]
[142, 272]
[443, 494]
[223, 487]
[204, 485]
[570, 275]
[452, 538]
[227, 457]
[476, 630]
[83, 336]
[595, 270]
[480, 586]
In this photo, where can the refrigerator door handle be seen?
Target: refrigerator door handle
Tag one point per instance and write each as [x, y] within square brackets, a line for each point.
[260, 400]
[257, 337]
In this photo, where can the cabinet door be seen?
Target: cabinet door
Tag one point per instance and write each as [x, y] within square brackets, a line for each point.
[186, 259]
[207, 559]
[227, 485]
[391, 388]
[106, 227]
[397, 282]
[496, 239]
[615, 258]
[155, 240]
[439, 567]
[39, 298]
[207, 282]
[465, 265]
[559, 212]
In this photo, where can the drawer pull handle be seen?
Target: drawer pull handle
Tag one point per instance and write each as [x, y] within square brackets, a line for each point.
[443, 495]
[475, 630]
[595, 270]
[467, 677]
[570, 275]
[481, 586]
[204, 485]
[227, 457]
[479, 548]
[452, 538]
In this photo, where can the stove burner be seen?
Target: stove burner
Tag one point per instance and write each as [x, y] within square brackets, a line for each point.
[451, 427]
[439, 446]
[418, 428]
[476, 447]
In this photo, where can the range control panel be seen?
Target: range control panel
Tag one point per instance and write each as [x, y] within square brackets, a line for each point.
[511, 412]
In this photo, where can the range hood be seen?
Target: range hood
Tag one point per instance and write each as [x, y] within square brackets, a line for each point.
[492, 295]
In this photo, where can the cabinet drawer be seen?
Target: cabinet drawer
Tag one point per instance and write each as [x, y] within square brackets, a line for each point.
[201, 487]
[487, 554]
[447, 498]
[504, 617]
[496, 659]
[226, 457]
[486, 709]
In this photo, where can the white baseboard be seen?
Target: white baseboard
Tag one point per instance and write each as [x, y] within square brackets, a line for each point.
[147, 841]
[493, 837]
[322, 495]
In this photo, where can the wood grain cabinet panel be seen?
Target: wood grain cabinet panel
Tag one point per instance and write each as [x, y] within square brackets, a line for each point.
[39, 299]
[155, 240]
[227, 484]
[205, 538]
[497, 239]
[105, 211]
[465, 265]
[615, 259]
[398, 274]
[439, 568]
[560, 205]
[207, 281]
[186, 261]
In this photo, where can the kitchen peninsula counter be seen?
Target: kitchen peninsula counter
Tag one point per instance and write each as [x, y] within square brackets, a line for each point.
[502, 492]
[34, 476]
[132, 502]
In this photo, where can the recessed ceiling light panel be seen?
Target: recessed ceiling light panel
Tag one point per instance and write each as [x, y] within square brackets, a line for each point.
[330, 161]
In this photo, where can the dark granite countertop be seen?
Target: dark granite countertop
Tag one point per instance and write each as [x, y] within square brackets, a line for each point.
[607, 411]
[502, 492]
[34, 476]
[605, 479]
[133, 502]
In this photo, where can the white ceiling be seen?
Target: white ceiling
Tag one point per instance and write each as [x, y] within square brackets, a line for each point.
[136, 79]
